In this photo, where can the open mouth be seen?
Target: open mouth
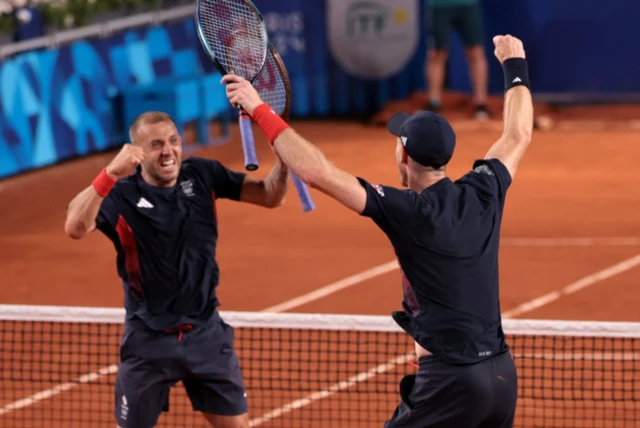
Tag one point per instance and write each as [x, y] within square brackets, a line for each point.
[168, 165]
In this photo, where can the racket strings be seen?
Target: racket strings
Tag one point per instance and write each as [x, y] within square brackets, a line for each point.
[271, 86]
[240, 52]
[235, 35]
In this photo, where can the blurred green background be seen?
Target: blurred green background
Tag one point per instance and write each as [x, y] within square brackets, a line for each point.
[67, 14]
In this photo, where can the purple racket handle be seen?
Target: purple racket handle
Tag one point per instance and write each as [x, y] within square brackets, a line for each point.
[248, 145]
[303, 193]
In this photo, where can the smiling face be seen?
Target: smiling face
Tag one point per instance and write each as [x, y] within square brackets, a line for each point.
[158, 136]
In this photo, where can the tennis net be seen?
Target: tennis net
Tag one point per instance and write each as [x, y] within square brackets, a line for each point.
[58, 366]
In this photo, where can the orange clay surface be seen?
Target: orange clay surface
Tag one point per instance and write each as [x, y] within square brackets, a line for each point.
[571, 185]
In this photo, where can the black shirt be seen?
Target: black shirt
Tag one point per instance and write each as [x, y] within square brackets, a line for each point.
[446, 239]
[165, 240]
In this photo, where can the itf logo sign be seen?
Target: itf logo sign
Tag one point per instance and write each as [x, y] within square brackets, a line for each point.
[373, 39]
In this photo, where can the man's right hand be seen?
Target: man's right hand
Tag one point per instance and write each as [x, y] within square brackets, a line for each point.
[241, 92]
[125, 163]
[508, 47]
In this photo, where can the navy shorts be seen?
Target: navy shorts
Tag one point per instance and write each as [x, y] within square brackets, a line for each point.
[152, 362]
[441, 395]
[466, 20]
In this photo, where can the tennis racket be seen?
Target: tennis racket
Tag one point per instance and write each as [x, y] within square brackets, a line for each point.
[274, 89]
[234, 36]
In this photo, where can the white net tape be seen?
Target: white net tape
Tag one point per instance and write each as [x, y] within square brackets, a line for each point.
[312, 321]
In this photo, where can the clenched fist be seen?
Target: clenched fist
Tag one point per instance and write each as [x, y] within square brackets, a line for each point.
[125, 163]
[508, 47]
[241, 93]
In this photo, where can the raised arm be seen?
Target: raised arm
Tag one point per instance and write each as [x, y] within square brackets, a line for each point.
[83, 209]
[82, 212]
[518, 105]
[311, 165]
[302, 157]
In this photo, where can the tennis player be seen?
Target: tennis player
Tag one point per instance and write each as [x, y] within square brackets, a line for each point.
[446, 236]
[160, 213]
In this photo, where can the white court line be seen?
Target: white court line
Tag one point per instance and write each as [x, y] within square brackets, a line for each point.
[330, 289]
[393, 265]
[389, 365]
[43, 395]
[519, 310]
[334, 287]
[579, 356]
[336, 387]
[382, 368]
[105, 371]
[578, 285]
[629, 241]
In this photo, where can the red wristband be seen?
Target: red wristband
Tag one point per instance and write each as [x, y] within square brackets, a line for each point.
[271, 124]
[103, 183]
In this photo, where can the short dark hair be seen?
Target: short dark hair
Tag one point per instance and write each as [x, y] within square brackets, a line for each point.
[440, 167]
[148, 118]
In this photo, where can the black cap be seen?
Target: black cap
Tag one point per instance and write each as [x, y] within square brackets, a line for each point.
[427, 137]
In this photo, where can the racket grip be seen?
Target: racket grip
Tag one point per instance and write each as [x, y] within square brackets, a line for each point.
[303, 193]
[248, 144]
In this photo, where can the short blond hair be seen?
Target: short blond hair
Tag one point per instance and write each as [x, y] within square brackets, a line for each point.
[148, 118]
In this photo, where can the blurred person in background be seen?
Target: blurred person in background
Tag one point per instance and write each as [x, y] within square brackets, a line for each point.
[27, 18]
[465, 17]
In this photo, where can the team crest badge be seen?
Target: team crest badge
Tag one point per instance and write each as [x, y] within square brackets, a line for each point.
[187, 187]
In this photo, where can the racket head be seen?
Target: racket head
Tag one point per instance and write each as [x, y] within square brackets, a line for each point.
[274, 88]
[273, 84]
[234, 36]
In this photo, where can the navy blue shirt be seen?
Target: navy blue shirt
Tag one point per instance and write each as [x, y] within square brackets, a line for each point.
[446, 239]
[165, 240]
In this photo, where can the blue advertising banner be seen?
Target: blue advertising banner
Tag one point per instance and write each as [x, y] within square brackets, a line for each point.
[57, 104]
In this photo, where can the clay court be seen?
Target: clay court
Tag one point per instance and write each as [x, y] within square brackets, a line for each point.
[570, 250]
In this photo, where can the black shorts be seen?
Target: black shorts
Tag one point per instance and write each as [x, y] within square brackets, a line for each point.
[151, 362]
[441, 395]
[466, 20]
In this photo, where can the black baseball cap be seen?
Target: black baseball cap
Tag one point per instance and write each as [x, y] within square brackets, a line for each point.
[427, 137]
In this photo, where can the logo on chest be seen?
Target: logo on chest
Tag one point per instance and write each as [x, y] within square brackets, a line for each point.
[143, 203]
[187, 187]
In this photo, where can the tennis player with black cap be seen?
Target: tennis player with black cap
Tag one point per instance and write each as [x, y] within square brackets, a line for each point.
[427, 138]
[446, 236]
